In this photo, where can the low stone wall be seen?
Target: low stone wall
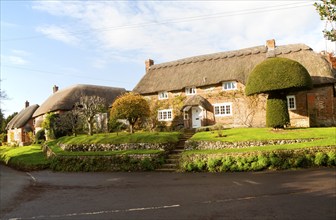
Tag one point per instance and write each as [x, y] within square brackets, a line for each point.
[215, 145]
[116, 147]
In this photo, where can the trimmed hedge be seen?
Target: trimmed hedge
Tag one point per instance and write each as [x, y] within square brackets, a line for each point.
[105, 163]
[277, 115]
[278, 160]
[276, 74]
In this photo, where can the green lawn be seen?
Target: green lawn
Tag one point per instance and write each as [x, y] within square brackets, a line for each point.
[26, 157]
[323, 136]
[122, 137]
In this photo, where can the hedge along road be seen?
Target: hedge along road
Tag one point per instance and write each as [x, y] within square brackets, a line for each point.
[300, 194]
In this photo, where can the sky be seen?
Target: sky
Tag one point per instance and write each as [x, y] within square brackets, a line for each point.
[46, 43]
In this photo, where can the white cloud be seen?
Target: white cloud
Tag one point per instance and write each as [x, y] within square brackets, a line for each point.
[166, 30]
[13, 60]
[58, 33]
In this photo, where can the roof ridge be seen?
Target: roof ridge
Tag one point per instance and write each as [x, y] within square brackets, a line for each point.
[282, 49]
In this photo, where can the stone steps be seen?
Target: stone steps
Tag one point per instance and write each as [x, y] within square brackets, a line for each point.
[173, 158]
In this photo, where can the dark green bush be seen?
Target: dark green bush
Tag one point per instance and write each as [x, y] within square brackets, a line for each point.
[40, 136]
[331, 158]
[276, 111]
[276, 74]
[282, 159]
[321, 159]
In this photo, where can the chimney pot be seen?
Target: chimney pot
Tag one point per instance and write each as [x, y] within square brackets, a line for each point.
[55, 88]
[270, 44]
[148, 64]
[26, 104]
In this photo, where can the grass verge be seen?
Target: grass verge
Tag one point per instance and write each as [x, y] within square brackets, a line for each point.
[24, 158]
[122, 137]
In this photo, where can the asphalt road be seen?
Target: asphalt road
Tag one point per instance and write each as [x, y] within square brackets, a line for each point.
[301, 194]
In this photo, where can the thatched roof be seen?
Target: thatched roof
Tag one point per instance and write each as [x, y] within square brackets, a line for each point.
[21, 119]
[225, 66]
[65, 99]
[197, 100]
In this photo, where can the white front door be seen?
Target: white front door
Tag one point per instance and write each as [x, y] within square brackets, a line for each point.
[196, 117]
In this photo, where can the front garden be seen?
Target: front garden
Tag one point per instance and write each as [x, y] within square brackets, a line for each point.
[84, 158]
[228, 150]
[252, 149]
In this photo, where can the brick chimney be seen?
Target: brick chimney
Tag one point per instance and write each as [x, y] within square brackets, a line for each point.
[26, 104]
[332, 60]
[148, 64]
[270, 45]
[55, 88]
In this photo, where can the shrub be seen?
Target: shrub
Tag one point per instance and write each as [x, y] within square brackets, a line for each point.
[276, 111]
[276, 74]
[40, 136]
[331, 158]
[321, 159]
[214, 164]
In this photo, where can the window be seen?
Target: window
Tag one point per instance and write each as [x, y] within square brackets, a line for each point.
[185, 115]
[165, 115]
[232, 85]
[190, 90]
[163, 95]
[291, 102]
[223, 109]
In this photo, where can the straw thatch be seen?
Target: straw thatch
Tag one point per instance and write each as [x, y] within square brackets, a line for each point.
[65, 99]
[197, 100]
[225, 66]
[22, 118]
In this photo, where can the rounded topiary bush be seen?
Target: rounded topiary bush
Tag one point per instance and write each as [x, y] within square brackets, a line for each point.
[276, 111]
[276, 74]
[277, 77]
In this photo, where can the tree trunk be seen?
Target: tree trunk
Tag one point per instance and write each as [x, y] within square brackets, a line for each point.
[131, 128]
[90, 127]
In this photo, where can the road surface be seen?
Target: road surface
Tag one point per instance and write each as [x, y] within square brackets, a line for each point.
[300, 194]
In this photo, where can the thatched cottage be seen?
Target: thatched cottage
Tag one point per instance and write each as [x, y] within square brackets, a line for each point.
[208, 89]
[21, 125]
[65, 100]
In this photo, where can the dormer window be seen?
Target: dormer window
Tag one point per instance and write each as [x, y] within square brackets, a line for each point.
[163, 95]
[190, 90]
[231, 85]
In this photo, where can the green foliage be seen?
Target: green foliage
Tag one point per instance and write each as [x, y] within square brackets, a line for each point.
[256, 161]
[40, 136]
[130, 106]
[327, 12]
[277, 115]
[51, 126]
[278, 74]
[104, 163]
[321, 159]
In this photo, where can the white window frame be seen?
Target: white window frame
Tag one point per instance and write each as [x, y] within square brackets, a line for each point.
[230, 85]
[190, 90]
[291, 97]
[165, 115]
[163, 95]
[222, 109]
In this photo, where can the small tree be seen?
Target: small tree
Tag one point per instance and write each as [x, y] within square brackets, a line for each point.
[89, 106]
[277, 77]
[327, 11]
[131, 107]
[71, 122]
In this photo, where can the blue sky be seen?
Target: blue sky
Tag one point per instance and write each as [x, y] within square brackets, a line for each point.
[46, 43]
